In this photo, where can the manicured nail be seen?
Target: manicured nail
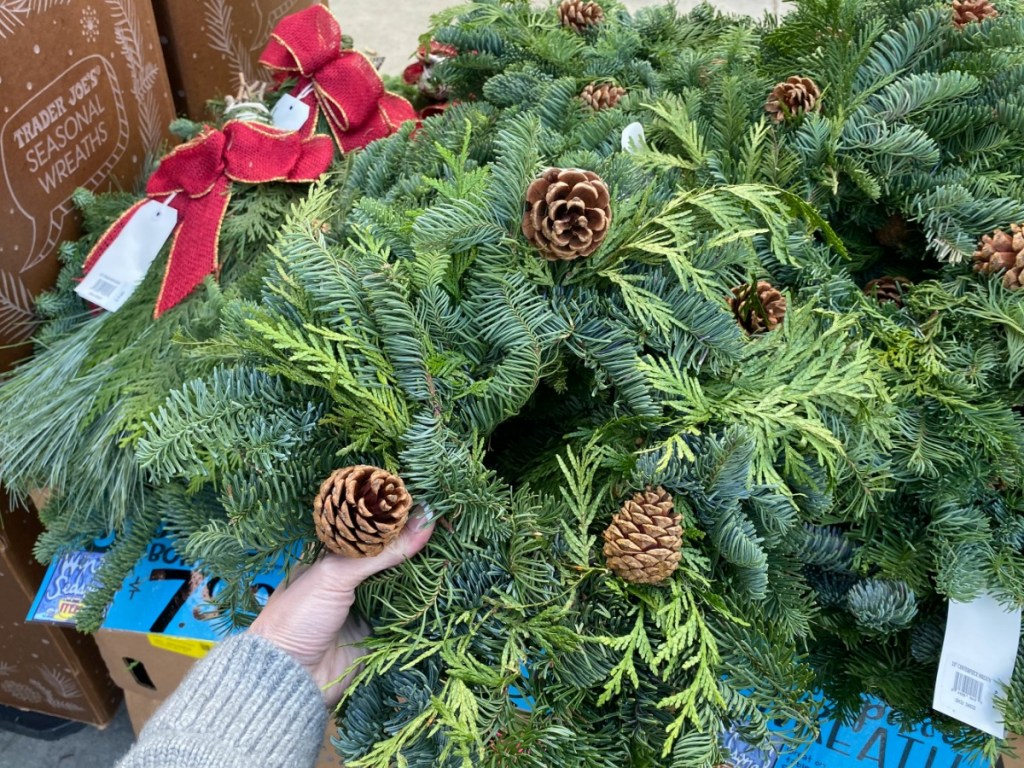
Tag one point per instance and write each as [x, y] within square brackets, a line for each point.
[420, 517]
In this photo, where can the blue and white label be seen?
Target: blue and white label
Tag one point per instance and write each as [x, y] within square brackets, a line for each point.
[167, 596]
[67, 582]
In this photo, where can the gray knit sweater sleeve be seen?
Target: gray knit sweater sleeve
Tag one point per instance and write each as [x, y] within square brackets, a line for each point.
[246, 705]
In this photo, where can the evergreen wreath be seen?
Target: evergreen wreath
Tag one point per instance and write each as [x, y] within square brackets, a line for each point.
[837, 479]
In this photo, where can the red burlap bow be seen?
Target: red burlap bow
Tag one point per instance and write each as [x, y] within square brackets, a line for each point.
[198, 176]
[344, 84]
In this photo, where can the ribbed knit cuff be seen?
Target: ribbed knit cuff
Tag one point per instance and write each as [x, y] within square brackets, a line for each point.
[249, 697]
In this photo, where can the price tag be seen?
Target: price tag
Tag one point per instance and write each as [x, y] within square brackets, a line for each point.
[289, 114]
[978, 656]
[633, 138]
[118, 272]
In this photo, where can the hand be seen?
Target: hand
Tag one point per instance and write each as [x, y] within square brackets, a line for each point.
[308, 617]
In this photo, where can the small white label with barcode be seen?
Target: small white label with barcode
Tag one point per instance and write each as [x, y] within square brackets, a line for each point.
[120, 269]
[289, 114]
[978, 656]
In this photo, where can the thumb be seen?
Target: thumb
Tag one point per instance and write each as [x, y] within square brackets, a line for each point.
[343, 574]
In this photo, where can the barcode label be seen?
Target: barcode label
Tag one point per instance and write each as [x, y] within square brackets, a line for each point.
[968, 686]
[123, 265]
[979, 651]
[104, 288]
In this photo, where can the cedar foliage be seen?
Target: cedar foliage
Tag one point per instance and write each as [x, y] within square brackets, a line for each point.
[839, 477]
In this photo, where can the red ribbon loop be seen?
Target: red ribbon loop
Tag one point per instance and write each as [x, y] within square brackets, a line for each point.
[345, 85]
[199, 174]
[309, 40]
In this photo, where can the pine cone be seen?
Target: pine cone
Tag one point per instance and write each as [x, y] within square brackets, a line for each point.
[888, 289]
[793, 97]
[578, 15]
[602, 96]
[360, 510]
[567, 213]
[643, 541]
[972, 12]
[1001, 252]
[894, 233]
[760, 311]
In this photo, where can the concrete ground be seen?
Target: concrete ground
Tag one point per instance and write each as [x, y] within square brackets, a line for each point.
[392, 30]
[87, 748]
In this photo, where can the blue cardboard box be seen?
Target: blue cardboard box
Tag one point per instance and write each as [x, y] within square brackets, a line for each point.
[162, 595]
[159, 624]
[874, 740]
[160, 621]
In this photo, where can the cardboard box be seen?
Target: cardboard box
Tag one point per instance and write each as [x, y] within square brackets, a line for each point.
[874, 740]
[140, 667]
[1017, 760]
[86, 100]
[159, 624]
[43, 668]
[207, 44]
[140, 709]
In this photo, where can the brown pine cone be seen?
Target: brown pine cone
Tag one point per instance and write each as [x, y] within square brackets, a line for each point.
[602, 96]
[756, 312]
[567, 213]
[360, 510]
[972, 12]
[578, 15]
[642, 542]
[888, 289]
[894, 233]
[793, 97]
[1002, 252]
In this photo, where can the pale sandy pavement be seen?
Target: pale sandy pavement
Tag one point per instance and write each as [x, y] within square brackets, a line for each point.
[392, 28]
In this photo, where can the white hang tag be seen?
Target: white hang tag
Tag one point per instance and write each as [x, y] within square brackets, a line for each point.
[118, 272]
[289, 114]
[978, 656]
[633, 138]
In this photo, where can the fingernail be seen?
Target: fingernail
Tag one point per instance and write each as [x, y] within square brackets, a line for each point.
[420, 518]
